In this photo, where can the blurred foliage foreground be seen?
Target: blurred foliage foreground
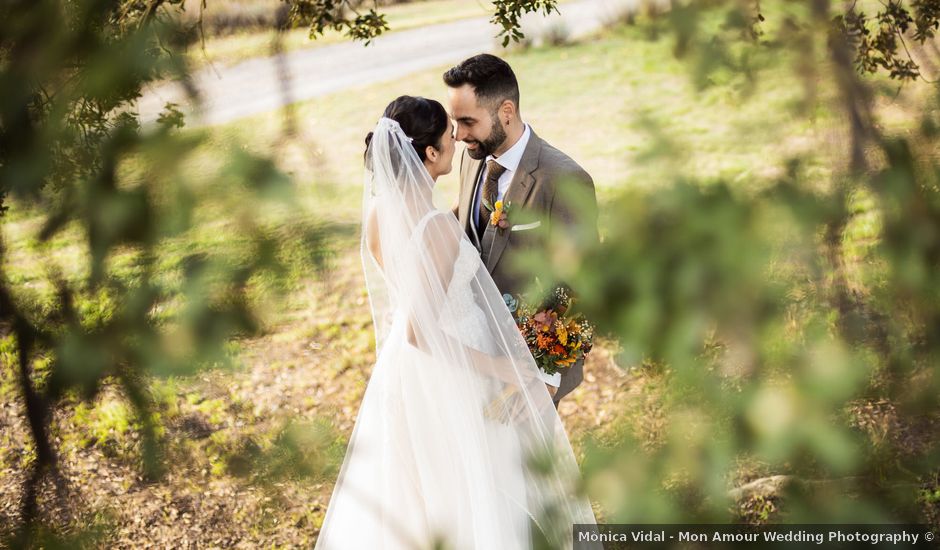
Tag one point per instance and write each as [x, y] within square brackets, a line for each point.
[796, 325]
[149, 300]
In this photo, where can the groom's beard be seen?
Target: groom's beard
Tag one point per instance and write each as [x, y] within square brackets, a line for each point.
[491, 144]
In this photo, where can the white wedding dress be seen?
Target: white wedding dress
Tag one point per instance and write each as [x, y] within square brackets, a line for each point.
[456, 440]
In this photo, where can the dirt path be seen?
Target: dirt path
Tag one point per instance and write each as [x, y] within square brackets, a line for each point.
[254, 86]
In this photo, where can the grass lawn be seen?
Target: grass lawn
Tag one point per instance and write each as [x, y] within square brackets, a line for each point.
[619, 104]
[228, 49]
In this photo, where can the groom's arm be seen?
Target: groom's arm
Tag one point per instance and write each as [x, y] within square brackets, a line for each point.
[573, 215]
[574, 207]
[573, 210]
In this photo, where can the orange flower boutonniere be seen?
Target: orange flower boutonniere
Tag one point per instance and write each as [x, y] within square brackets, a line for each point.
[500, 215]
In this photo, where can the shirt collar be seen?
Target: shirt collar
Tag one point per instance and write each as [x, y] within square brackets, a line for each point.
[513, 156]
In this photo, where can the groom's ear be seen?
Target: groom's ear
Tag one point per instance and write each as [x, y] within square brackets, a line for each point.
[507, 111]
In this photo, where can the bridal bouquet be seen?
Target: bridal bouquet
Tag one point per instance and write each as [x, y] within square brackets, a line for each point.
[556, 338]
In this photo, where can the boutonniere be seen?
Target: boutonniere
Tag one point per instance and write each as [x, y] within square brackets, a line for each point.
[500, 215]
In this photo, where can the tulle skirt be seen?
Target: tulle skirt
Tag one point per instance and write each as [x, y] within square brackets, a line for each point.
[424, 465]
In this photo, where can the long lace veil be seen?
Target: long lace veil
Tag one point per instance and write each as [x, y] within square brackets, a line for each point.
[429, 290]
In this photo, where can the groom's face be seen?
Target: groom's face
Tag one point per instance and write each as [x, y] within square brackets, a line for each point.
[477, 125]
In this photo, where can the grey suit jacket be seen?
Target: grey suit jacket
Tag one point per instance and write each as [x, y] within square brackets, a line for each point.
[540, 193]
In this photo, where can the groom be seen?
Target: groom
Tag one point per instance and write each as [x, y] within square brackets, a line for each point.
[505, 160]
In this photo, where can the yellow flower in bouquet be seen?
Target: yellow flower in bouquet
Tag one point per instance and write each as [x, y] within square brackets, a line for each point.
[562, 333]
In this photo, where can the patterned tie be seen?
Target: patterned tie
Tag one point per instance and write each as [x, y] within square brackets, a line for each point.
[490, 191]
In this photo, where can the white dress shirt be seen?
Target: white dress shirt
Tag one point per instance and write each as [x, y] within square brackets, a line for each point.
[508, 160]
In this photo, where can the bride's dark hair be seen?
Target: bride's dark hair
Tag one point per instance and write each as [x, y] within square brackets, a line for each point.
[423, 120]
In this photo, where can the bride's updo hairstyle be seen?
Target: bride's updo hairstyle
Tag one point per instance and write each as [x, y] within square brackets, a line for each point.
[423, 120]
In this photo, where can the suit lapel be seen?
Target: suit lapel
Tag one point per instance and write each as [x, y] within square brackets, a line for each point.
[519, 188]
[471, 178]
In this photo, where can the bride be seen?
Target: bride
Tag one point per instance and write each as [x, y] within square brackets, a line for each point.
[457, 442]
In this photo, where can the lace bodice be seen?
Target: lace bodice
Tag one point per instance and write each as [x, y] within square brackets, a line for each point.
[461, 316]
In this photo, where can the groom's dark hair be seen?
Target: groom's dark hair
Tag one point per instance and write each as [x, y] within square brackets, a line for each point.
[492, 79]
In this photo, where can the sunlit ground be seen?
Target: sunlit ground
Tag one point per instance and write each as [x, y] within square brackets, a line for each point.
[620, 104]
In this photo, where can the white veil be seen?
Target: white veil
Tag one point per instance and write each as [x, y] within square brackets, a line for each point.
[494, 423]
